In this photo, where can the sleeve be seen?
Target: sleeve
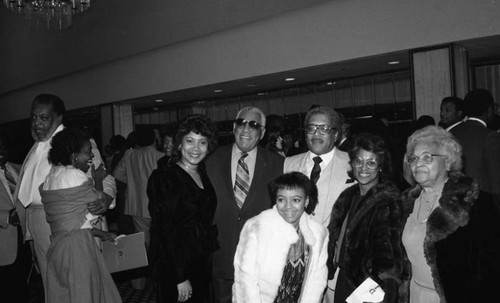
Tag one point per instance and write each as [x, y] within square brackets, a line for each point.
[165, 194]
[319, 275]
[387, 261]
[109, 188]
[246, 285]
[120, 172]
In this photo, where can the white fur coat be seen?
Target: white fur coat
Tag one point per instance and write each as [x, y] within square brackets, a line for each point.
[262, 253]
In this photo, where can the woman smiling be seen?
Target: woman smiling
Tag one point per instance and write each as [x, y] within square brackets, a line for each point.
[365, 227]
[281, 256]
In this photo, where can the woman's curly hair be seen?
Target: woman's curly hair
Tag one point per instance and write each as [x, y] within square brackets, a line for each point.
[65, 143]
[198, 124]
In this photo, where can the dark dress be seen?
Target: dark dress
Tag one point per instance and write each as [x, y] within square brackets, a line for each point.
[182, 215]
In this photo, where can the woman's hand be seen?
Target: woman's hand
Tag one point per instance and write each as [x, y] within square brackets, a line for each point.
[104, 235]
[185, 291]
[99, 173]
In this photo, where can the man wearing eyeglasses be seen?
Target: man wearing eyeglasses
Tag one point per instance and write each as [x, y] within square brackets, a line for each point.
[239, 174]
[326, 165]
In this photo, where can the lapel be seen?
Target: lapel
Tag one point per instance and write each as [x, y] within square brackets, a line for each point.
[4, 196]
[21, 172]
[338, 178]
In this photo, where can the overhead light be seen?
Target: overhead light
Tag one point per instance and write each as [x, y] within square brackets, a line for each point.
[53, 15]
[261, 94]
[159, 100]
[252, 85]
[218, 91]
[289, 79]
[329, 83]
[393, 62]
[155, 108]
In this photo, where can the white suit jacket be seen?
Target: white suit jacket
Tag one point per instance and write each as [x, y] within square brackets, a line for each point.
[332, 181]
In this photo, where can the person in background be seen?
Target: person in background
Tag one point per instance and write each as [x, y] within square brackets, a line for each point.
[182, 204]
[452, 112]
[282, 252]
[76, 271]
[481, 146]
[134, 169]
[239, 173]
[47, 113]
[452, 230]
[166, 147]
[344, 141]
[365, 227]
[275, 142]
[423, 121]
[14, 254]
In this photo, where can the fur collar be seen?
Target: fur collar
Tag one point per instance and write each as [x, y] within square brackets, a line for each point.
[458, 196]
[380, 194]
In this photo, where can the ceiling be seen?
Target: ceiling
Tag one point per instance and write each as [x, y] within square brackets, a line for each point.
[116, 29]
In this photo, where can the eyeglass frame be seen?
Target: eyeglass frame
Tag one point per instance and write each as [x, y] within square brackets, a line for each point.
[365, 162]
[252, 125]
[322, 129]
[418, 158]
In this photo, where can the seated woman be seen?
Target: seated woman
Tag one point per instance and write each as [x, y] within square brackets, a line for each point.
[182, 205]
[452, 231]
[76, 271]
[365, 226]
[281, 256]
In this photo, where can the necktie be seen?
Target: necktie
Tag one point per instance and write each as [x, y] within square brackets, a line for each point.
[242, 183]
[316, 169]
[11, 181]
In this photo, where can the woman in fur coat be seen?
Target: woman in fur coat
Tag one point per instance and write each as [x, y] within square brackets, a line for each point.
[365, 227]
[281, 256]
[452, 231]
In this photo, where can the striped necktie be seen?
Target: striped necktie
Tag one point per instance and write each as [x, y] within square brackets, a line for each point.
[11, 181]
[242, 183]
[316, 169]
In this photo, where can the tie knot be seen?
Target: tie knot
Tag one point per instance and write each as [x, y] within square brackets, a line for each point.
[317, 160]
[243, 156]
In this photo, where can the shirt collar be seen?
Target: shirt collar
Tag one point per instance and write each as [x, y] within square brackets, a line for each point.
[237, 152]
[478, 120]
[325, 157]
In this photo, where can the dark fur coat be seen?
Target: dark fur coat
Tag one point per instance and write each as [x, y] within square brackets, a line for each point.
[372, 238]
[462, 243]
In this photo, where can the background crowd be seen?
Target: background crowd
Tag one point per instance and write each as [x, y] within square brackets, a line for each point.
[280, 215]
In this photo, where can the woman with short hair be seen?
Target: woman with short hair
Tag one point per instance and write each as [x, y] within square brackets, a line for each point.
[182, 205]
[365, 226]
[452, 231]
[281, 256]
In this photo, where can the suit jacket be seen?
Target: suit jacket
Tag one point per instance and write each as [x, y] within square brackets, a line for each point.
[8, 233]
[331, 182]
[481, 154]
[228, 217]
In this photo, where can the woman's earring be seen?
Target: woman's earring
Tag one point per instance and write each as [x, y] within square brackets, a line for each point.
[307, 204]
[179, 147]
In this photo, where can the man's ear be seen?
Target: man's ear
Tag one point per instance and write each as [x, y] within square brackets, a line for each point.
[263, 131]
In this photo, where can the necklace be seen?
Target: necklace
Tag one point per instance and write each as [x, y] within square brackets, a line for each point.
[428, 207]
[188, 169]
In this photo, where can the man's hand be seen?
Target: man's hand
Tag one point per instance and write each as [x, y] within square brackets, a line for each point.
[99, 206]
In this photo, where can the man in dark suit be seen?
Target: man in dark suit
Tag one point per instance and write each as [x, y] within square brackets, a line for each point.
[481, 146]
[14, 255]
[239, 173]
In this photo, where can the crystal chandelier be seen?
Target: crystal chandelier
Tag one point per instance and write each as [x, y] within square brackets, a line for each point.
[50, 15]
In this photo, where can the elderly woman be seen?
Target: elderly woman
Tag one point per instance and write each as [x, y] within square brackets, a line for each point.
[182, 204]
[281, 256]
[76, 271]
[365, 227]
[452, 232]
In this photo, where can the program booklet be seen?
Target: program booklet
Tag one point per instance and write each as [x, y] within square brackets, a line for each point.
[128, 252]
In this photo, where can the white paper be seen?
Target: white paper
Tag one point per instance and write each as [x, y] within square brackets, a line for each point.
[368, 291]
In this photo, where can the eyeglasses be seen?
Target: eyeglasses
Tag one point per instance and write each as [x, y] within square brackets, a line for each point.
[241, 123]
[425, 157]
[322, 129]
[371, 164]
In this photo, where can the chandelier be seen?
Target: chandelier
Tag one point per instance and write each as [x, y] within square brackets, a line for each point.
[52, 15]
